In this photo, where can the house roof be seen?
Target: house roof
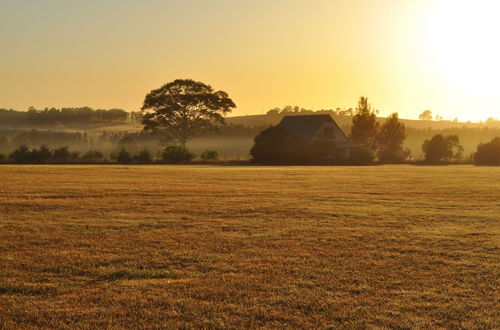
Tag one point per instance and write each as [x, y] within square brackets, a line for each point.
[308, 126]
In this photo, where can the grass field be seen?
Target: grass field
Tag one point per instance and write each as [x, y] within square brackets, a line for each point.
[243, 246]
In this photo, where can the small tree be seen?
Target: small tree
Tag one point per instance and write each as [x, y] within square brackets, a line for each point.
[176, 154]
[21, 155]
[61, 154]
[144, 156]
[123, 156]
[364, 125]
[42, 155]
[93, 155]
[183, 109]
[425, 115]
[390, 141]
[210, 155]
[488, 153]
[441, 148]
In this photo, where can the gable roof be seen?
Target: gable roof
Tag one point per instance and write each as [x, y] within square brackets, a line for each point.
[307, 126]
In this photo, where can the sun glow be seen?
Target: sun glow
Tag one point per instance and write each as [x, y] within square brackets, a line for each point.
[463, 44]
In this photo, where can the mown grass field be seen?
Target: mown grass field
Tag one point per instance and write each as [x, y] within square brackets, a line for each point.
[244, 246]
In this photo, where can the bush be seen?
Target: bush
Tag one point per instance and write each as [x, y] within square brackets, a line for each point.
[93, 155]
[210, 155]
[21, 155]
[360, 156]
[2, 158]
[176, 154]
[42, 155]
[143, 157]
[61, 154]
[123, 156]
[397, 155]
[488, 153]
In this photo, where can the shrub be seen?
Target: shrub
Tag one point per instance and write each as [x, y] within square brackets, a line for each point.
[61, 154]
[2, 158]
[396, 155]
[42, 155]
[123, 156]
[93, 155]
[176, 154]
[21, 155]
[210, 155]
[488, 153]
[360, 156]
[143, 157]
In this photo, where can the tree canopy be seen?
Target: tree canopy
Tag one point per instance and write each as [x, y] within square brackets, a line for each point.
[441, 148]
[390, 141]
[184, 108]
[364, 125]
[425, 115]
[488, 153]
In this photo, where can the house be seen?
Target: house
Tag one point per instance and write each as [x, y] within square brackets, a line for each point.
[319, 127]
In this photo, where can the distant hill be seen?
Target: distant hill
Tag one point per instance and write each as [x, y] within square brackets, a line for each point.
[342, 120]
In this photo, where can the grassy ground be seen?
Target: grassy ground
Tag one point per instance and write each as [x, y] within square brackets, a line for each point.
[227, 247]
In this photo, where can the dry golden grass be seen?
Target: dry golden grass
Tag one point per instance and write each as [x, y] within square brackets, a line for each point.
[230, 247]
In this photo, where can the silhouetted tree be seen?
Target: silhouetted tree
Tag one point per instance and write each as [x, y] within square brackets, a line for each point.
[21, 155]
[62, 154]
[425, 115]
[441, 148]
[93, 155]
[488, 153]
[390, 141]
[144, 156]
[210, 155]
[123, 156]
[183, 109]
[42, 155]
[177, 154]
[364, 126]
[273, 112]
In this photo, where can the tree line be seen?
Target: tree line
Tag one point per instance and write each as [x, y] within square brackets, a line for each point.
[63, 155]
[51, 116]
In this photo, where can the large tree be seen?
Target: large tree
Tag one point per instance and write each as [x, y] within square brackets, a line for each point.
[390, 141]
[364, 125]
[440, 148]
[425, 115]
[184, 108]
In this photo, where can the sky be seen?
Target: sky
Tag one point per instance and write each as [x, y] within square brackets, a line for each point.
[406, 56]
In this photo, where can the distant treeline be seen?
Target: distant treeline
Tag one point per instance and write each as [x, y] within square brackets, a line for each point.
[52, 116]
[81, 141]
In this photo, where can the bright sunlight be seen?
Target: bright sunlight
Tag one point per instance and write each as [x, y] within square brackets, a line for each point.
[462, 37]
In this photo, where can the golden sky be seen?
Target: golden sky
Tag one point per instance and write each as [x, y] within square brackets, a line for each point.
[405, 55]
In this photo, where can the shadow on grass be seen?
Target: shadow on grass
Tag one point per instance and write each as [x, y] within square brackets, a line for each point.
[127, 273]
[9, 288]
